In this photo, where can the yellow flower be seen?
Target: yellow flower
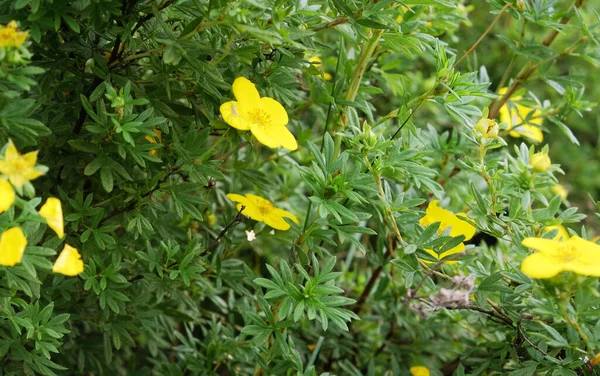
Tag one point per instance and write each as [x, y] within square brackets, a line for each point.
[7, 195]
[12, 246]
[264, 117]
[516, 114]
[52, 212]
[560, 190]
[19, 168]
[540, 162]
[487, 127]
[211, 220]
[152, 140]
[574, 254]
[419, 371]
[447, 219]
[562, 234]
[262, 210]
[69, 262]
[10, 36]
[318, 63]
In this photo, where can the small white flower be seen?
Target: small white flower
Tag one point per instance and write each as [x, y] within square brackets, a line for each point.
[250, 235]
[272, 232]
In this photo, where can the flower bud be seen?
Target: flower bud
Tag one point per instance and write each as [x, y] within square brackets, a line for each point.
[488, 128]
[540, 162]
[560, 190]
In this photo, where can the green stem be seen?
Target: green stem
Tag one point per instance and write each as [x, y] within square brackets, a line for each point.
[575, 325]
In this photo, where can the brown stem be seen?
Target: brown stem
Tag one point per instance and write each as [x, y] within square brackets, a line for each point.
[526, 72]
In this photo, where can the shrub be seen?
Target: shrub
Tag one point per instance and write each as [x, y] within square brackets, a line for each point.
[298, 187]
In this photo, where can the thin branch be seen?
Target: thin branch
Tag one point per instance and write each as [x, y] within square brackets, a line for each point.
[233, 223]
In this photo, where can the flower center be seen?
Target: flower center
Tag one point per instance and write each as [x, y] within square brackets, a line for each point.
[567, 253]
[265, 208]
[260, 117]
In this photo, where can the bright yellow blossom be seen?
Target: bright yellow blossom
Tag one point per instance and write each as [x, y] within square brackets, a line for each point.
[540, 162]
[515, 115]
[447, 219]
[19, 168]
[264, 117]
[69, 262]
[7, 195]
[560, 190]
[52, 212]
[262, 210]
[152, 140]
[574, 254]
[562, 234]
[12, 246]
[318, 63]
[10, 36]
[419, 371]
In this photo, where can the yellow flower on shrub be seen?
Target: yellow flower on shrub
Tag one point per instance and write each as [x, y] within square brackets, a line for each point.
[515, 114]
[12, 246]
[18, 168]
[318, 63]
[264, 117]
[51, 211]
[447, 219]
[69, 262]
[540, 162]
[152, 140]
[262, 210]
[10, 36]
[554, 256]
[419, 371]
[7, 195]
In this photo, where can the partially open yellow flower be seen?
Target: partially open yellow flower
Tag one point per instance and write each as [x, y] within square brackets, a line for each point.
[447, 219]
[52, 212]
[10, 36]
[264, 117]
[574, 254]
[318, 63]
[562, 234]
[488, 128]
[69, 262]
[19, 168]
[515, 114]
[152, 140]
[262, 210]
[540, 162]
[12, 246]
[419, 371]
[7, 195]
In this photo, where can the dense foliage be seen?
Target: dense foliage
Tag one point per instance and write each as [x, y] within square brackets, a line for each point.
[324, 187]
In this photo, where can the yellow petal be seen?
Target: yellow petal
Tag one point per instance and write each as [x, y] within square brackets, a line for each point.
[276, 112]
[30, 159]
[588, 252]
[277, 221]
[579, 267]
[460, 227]
[266, 136]
[232, 114]
[69, 262]
[7, 195]
[245, 91]
[286, 138]
[458, 249]
[12, 246]
[419, 371]
[11, 152]
[540, 265]
[52, 212]
[251, 208]
[543, 245]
